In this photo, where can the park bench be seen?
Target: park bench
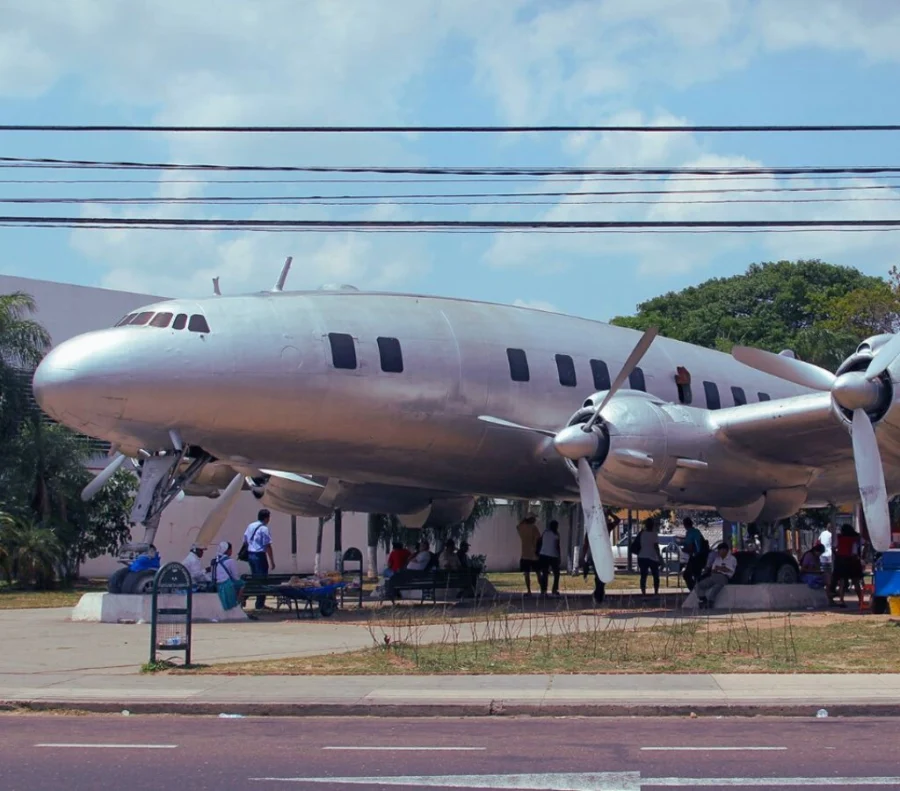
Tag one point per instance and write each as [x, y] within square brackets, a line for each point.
[430, 582]
[262, 586]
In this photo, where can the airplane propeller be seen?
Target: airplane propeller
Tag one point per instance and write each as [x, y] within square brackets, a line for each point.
[579, 443]
[857, 392]
[216, 517]
[102, 477]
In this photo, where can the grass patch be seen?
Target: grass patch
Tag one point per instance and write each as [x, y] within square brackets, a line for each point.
[514, 582]
[775, 644]
[13, 598]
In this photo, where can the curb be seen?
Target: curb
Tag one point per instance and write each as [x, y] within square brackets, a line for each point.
[494, 708]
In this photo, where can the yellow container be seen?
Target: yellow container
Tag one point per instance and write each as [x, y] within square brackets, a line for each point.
[894, 605]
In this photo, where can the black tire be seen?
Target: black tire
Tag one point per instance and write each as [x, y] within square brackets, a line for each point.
[327, 607]
[139, 583]
[776, 567]
[879, 605]
[116, 581]
[746, 563]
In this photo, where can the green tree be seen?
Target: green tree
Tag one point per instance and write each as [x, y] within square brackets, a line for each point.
[32, 553]
[774, 306]
[870, 310]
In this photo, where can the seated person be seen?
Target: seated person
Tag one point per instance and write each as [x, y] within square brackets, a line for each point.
[422, 559]
[448, 559]
[463, 554]
[811, 571]
[199, 575]
[719, 570]
[227, 577]
[398, 559]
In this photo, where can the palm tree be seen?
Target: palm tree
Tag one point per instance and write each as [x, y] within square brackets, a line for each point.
[23, 342]
[33, 552]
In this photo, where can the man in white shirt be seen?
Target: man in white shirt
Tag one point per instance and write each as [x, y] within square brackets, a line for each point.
[720, 567]
[825, 540]
[195, 568]
[259, 549]
[549, 559]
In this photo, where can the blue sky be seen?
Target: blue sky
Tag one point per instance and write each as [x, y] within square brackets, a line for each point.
[454, 62]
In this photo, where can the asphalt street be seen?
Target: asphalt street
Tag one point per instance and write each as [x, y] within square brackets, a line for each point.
[39, 752]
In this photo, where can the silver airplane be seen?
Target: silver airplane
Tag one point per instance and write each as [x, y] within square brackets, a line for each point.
[414, 405]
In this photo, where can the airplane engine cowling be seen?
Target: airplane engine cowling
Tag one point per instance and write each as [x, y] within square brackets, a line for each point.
[633, 453]
[290, 497]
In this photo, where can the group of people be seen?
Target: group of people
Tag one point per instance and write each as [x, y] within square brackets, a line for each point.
[835, 568]
[419, 557]
[540, 553]
[222, 574]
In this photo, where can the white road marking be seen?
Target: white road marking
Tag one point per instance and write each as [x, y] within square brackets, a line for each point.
[595, 781]
[590, 781]
[766, 782]
[708, 749]
[410, 749]
[115, 746]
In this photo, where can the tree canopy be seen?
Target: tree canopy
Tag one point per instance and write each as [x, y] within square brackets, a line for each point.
[808, 306]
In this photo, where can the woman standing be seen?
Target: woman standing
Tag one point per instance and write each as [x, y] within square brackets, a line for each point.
[548, 558]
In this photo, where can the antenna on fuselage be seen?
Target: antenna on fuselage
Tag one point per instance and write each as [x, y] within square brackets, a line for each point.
[279, 286]
[216, 287]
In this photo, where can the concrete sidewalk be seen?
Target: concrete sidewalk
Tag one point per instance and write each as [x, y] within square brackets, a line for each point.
[585, 695]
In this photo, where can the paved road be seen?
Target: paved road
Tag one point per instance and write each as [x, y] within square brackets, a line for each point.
[39, 753]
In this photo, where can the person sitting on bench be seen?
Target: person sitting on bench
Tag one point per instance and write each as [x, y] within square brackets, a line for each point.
[719, 570]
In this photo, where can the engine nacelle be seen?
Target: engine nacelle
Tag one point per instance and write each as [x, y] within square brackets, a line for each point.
[632, 441]
[290, 497]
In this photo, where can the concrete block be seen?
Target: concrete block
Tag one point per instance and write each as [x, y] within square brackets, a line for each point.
[121, 608]
[766, 596]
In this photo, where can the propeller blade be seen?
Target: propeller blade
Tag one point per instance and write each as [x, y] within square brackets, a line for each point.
[216, 517]
[595, 523]
[630, 364]
[870, 477]
[796, 371]
[102, 477]
[292, 476]
[884, 357]
[496, 421]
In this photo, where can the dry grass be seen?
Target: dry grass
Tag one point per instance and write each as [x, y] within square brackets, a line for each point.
[22, 599]
[794, 643]
[513, 582]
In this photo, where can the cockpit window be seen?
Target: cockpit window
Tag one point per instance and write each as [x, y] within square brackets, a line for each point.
[125, 320]
[198, 323]
[161, 320]
[180, 321]
[142, 318]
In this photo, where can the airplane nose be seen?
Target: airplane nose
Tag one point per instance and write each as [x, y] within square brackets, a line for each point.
[80, 381]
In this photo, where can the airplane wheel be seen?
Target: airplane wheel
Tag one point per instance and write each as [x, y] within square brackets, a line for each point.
[777, 567]
[115, 583]
[139, 583]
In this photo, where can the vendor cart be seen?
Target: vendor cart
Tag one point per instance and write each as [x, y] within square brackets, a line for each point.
[325, 596]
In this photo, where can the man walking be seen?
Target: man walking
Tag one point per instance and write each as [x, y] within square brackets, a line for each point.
[259, 549]
[530, 537]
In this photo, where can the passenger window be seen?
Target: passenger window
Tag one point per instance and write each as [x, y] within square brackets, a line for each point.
[198, 323]
[180, 321]
[142, 318]
[123, 321]
[518, 365]
[764, 397]
[636, 380]
[161, 320]
[738, 394]
[343, 350]
[391, 355]
[601, 375]
[565, 367]
[712, 395]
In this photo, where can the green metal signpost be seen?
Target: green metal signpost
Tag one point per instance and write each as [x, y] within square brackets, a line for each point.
[170, 624]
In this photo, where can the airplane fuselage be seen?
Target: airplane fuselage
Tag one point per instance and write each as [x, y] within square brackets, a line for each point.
[386, 390]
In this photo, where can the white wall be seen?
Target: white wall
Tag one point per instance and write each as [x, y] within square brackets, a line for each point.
[495, 537]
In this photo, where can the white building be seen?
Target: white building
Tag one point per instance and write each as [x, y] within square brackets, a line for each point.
[68, 310]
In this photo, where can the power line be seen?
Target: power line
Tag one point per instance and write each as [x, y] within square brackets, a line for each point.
[435, 225]
[715, 128]
[43, 162]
